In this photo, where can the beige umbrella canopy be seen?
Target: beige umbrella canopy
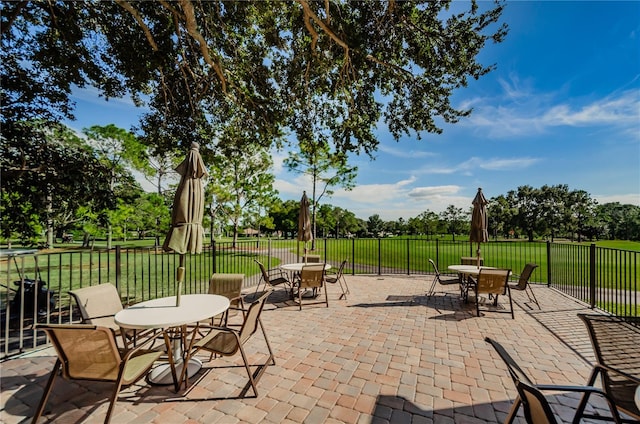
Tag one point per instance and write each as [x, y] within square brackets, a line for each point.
[304, 223]
[479, 222]
[186, 233]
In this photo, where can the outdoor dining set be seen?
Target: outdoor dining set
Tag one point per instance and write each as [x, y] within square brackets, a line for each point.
[122, 345]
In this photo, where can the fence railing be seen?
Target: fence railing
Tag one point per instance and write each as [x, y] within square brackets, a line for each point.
[35, 286]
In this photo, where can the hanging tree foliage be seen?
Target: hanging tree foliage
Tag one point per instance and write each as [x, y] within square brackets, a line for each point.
[192, 61]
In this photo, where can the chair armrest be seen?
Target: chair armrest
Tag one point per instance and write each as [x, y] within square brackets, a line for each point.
[567, 388]
[635, 379]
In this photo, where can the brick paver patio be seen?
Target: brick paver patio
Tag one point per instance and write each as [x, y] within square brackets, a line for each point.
[388, 354]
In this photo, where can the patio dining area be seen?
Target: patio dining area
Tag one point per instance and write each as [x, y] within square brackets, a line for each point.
[386, 354]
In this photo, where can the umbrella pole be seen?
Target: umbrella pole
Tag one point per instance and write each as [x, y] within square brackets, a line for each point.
[180, 278]
[478, 255]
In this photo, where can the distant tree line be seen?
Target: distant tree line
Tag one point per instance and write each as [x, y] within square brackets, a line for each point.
[67, 184]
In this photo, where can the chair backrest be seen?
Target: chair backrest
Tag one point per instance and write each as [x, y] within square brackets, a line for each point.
[252, 317]
[525, 275]
[516, 373]
[311, 259]
[228, 285]
[263, 270]
[493, 281]
[471, 260]
[536, 407]
[98, 304]
[312, 275]
[343, 264]
[616, 343]
[87, 352]
[435, 267]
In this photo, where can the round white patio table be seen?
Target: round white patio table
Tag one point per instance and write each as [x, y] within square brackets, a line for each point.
[297, 266]
[163, 314]
[468, 269]
[637, 397]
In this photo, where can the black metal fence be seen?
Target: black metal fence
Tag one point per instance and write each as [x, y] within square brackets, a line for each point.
[35, 286]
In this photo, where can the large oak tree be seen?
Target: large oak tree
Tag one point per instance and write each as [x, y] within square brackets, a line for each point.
[396, 61]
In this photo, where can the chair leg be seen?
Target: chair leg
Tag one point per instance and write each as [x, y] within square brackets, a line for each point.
[344, 294]
[346, 285]
[532, 298]
[47, 391]
[326, 296]
[433, 286]
[114, 397]
[513, 411]
[272, 357]
[585, 397]
[249, 373]
[510, 302]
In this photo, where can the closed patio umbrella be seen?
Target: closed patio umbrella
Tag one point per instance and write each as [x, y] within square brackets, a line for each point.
[479, 222]
[186, 233]
[304, 223]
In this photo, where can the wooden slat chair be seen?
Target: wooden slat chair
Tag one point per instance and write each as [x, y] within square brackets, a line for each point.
[88, 352]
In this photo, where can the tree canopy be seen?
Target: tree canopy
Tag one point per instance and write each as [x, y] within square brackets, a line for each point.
[193, 61]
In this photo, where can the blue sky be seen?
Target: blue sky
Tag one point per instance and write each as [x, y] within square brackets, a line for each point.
[562, 107]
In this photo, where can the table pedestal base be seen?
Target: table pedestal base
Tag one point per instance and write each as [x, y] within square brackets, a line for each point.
[161, 375]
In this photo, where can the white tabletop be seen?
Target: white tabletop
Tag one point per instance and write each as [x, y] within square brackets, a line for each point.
[163, 312]
[468, 269]
[637, 397]
[298, 266]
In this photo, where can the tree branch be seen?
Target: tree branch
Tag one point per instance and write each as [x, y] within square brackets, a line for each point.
[191, 25]
[12, 17]
[127, 6]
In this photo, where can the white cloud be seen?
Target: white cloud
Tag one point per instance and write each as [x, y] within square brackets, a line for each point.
[400, 153]
[624, 199]
[431, 192]
[519, 114]
[491, 164]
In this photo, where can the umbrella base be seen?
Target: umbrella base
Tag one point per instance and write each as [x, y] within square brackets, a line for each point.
[161, 375]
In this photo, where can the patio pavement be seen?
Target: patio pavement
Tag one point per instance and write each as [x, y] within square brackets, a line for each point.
[388, 354]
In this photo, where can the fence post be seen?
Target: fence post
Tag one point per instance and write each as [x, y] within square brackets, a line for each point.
[379, 256]
[353, 256]
[214, 256]
[118, 265]
[548, 263]
[592, 275]
[438, 252]
[408, 258]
